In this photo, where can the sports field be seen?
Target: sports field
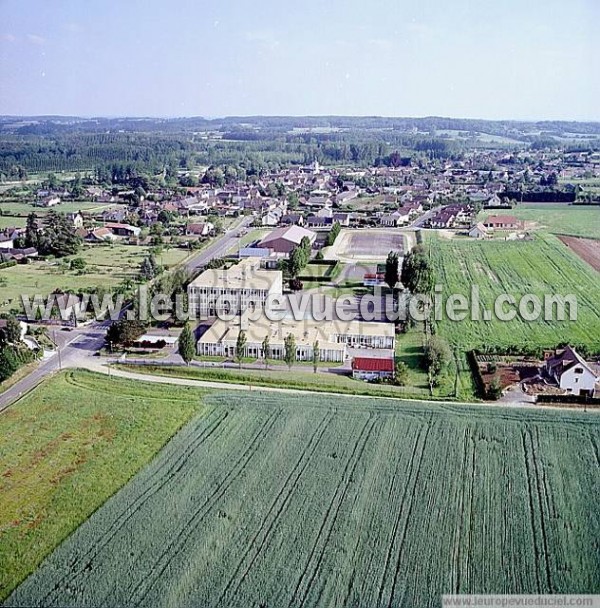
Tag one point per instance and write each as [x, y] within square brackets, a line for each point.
[373, 245]
[272, 500]
[542, 266]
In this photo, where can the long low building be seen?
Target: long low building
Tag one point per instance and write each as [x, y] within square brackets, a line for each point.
[334, 337]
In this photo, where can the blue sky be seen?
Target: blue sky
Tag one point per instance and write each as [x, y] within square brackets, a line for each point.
[522, 59]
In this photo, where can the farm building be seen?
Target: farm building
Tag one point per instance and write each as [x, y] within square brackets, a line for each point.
[501, 222]
[233, 289]
[334, 337]
[479, 231]
[572, 373]
[372, 368]
[199, 229]
[283, 240]
[124, 230]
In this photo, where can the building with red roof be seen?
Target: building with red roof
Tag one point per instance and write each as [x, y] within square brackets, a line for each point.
[372, 368]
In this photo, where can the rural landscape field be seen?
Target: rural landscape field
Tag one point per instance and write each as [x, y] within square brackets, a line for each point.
[540, 266]
[273, 500]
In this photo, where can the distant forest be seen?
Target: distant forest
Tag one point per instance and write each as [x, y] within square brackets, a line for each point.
[150, 145]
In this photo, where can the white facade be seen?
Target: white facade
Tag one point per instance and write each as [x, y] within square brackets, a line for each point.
[577, 379]
[334, 337]
[243, 286]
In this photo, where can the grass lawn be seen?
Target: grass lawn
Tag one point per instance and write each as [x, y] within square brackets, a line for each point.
[409, 350]
[275, 376]
[25, 209]
[542, 266]
[107, 266]
[574, 220]
[252, 235]
[12, 222]
[68, 446]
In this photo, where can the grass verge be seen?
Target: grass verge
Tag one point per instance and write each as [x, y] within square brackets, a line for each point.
[68, 446]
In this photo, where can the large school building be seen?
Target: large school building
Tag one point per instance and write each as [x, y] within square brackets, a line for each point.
[334, 337]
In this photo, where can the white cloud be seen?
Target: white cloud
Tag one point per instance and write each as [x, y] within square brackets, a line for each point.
[263, 39]
[8, 38]
[73, 27]
[35, 39]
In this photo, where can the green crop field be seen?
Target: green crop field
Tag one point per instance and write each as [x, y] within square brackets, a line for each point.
[561, 219]
[540, 266]
[272, 500]
[67, 447]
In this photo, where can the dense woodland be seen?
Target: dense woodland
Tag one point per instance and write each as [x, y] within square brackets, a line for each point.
[115, 149]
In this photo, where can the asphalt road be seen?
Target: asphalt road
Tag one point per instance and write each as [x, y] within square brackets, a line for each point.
[221, 246]
[74, 348]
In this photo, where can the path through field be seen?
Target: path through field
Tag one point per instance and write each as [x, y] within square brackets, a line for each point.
[273, 500]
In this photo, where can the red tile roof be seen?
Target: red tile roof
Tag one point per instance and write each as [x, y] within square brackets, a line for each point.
[368, 364]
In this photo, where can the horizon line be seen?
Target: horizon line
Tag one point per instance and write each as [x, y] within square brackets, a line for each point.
[292, 116]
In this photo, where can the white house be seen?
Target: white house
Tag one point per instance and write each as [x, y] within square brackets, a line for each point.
[6, 241]
[479, 231]
[572, 373]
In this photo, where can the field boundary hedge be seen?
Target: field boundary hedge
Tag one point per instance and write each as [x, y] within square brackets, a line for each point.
[575, 399]
[476, 373]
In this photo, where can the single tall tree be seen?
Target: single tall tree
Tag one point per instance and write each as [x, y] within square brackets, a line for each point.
[187, 347]
[240, 347]
[316, 356]
[290, 350]
[391, 269]
[266, 350]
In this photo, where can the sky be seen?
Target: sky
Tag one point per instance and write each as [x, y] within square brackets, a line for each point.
[500, 59]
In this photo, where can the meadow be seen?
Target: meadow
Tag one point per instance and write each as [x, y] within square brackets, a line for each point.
[65, 448]
[271, 500]
[561, 219]
[107, 267]
[24, 209]
[540, 266]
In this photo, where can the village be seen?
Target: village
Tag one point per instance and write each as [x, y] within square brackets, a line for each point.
[348, 221]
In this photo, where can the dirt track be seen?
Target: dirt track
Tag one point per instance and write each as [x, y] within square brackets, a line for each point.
[587, 249]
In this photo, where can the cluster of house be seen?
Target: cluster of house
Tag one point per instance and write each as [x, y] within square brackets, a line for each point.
[8, 251]
[452, 216]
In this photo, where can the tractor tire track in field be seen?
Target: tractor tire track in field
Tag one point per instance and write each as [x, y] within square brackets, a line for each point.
[410, 470]
[410, 509]
[303, 586]
[468, 450]
[141, 590]
[535, 507]
[544, 515]
[357, 544]
[277, 508]
[167, 470]
[595, 449]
